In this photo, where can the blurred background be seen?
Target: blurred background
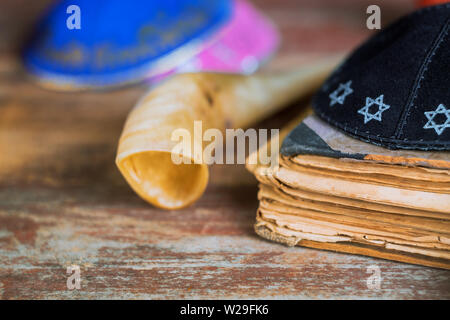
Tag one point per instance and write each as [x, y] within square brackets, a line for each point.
[55, 137]
[306, 27]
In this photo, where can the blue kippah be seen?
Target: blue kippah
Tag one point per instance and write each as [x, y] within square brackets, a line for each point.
[119, 41]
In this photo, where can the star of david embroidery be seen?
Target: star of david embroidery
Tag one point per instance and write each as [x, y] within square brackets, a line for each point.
[339, 95]
[377, 115]
[431, 124]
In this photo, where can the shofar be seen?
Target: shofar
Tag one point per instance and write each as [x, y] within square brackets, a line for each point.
[219, 101]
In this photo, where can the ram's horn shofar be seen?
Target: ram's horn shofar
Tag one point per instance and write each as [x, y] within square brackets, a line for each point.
[219, 101]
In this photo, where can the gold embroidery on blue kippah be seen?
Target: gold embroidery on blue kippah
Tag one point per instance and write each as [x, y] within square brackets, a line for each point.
[431, 124]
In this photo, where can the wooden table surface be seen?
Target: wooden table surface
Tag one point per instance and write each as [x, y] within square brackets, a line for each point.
[63, 201]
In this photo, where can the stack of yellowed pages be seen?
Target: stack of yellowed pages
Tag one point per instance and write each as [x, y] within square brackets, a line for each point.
[331, 191]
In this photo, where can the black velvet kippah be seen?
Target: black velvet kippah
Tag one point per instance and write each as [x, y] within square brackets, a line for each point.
[393, 91]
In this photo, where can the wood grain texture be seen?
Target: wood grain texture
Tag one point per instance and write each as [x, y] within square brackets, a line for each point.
[63, 202]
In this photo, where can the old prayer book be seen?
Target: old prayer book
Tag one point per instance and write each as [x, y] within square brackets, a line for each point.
[331, 191]
[369, 172]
